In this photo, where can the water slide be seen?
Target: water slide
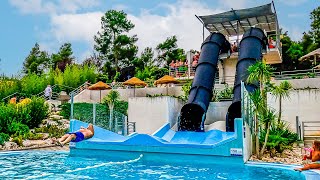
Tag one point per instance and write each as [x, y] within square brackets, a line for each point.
[193, 113]
[251, 46]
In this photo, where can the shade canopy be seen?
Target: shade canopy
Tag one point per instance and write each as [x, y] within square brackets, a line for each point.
[314, 54]
[166, 80]
[134, 82]
[99, 86]
[230, 22]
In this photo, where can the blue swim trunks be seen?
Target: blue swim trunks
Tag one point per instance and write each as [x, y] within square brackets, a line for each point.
[79, 136]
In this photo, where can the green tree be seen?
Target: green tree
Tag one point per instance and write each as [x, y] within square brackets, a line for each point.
[315, 25]
[168, 51]
[63, 57]
[295, 51]
[37, 61]
[145, 59]
[111, 99]
[281, 91]
[260, 72]
[113, 43]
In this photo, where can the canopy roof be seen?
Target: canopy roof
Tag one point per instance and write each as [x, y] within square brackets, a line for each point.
[313, 54]
[226, 23]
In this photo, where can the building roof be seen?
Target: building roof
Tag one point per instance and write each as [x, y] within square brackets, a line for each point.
[226, 23]
[313, 54]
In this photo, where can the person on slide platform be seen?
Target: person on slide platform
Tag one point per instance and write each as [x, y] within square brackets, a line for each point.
[80, 135]
[314, 156]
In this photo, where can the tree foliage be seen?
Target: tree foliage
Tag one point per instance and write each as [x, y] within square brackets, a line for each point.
[112, 42]
[37, 61]
[168, 51]
[315, 25]
[63, 58]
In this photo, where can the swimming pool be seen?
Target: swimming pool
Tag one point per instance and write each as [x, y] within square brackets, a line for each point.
[60, 165]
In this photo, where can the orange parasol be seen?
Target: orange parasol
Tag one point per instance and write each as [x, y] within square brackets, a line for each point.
[166, 80]
[134, 82]
[99, 86]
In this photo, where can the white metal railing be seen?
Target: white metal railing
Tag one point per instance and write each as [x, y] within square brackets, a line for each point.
[297, 74]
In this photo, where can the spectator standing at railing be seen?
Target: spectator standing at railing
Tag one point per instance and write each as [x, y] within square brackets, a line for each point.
[172, 65]
[48, 92]
[271, 43]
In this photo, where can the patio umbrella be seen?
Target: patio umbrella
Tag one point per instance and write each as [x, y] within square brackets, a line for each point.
[134, 82]
[99, 86]
[166, 80]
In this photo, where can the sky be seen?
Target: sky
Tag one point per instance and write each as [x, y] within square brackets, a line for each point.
[54, 22]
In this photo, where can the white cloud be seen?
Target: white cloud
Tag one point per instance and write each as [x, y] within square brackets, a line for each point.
[75, 27]
[180, 20]
[52, 7]
[151, 29]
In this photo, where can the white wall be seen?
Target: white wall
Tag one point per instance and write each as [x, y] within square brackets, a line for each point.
[302, 103]
[125, 94]
[152, 113]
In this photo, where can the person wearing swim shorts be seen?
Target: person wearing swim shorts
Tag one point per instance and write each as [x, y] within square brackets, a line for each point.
[315, 157]
[80, 135]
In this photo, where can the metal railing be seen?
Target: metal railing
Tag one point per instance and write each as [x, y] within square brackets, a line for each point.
[131, 127]
[79, 89]
[297, 74]
[309, 129]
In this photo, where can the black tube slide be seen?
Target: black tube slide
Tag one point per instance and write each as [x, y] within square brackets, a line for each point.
[251, 46]
[193, 113]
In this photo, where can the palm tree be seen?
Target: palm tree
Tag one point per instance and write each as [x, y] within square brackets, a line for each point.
[111, 99]
[267, 118]
[281, 91]
[259, 72]
[259, 107]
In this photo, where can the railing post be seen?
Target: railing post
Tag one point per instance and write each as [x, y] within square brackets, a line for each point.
[125, 126]
[94, 114]
[297, 127]
[71, 110]
[302, 131]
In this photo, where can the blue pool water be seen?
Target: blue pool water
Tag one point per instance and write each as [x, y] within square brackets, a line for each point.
[60, 165]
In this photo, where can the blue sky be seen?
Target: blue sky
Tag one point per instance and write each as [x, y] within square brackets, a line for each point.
[53, 22]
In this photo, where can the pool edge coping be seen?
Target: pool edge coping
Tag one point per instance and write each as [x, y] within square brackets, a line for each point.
[309, 174]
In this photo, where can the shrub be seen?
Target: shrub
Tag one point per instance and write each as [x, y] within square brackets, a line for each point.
[38, 110]
[226, 93]
[18, 128]
[280, 137]
[53, 131]
[32, 136]
[3, 138]
[18, 140]
[7, 115]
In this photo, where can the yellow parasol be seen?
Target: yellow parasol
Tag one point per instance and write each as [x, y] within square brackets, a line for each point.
[134, 82]
[166, 80]
[99, 86]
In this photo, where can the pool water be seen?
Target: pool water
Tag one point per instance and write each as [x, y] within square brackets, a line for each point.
[60, 165]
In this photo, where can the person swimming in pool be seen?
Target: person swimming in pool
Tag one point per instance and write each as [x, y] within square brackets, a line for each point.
[80, 135]
[314, 156]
